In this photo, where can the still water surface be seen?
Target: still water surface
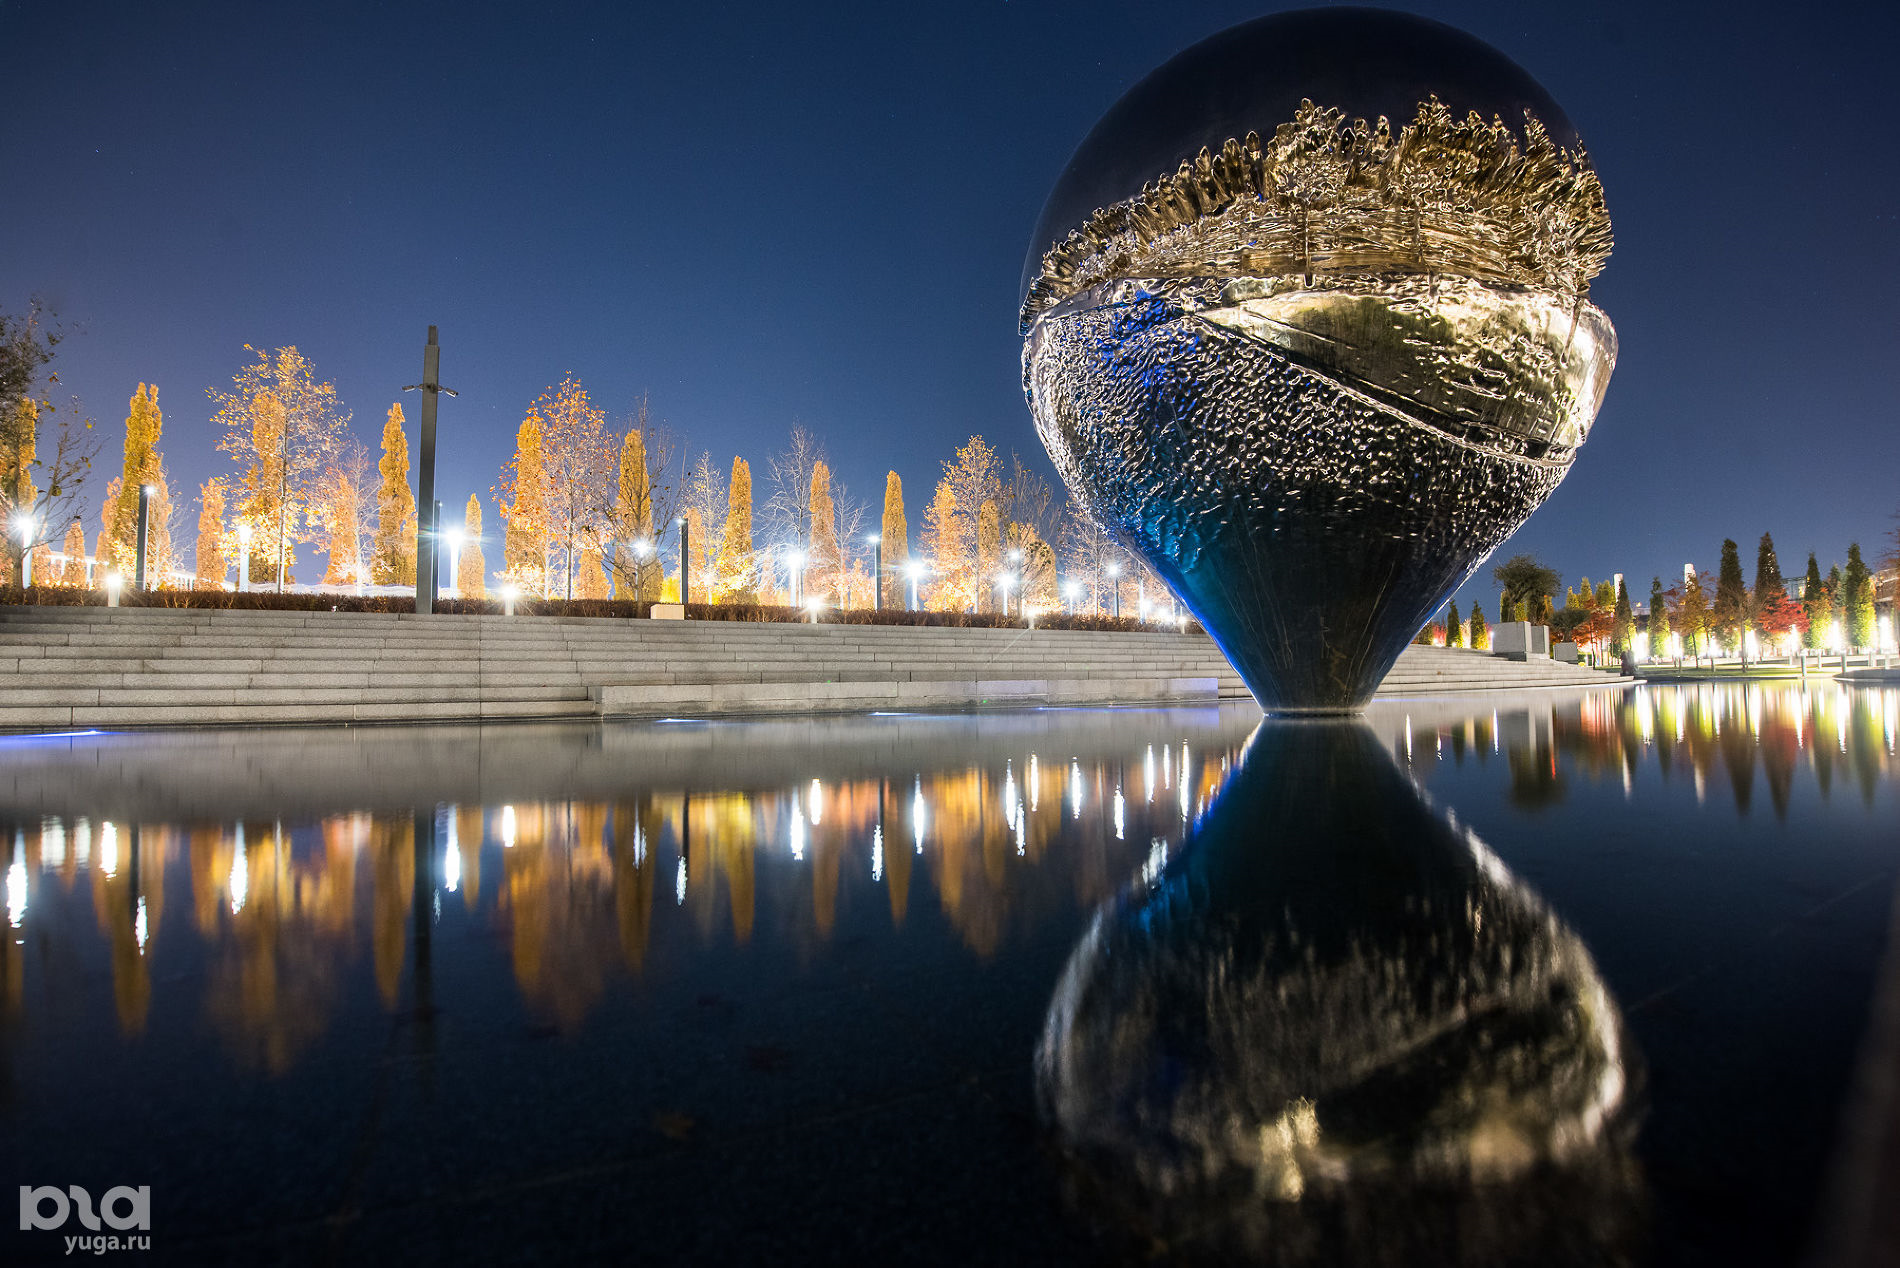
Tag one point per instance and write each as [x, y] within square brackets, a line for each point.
[1529, 978]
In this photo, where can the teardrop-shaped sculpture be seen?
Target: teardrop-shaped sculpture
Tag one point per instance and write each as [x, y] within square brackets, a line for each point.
[1314, 369]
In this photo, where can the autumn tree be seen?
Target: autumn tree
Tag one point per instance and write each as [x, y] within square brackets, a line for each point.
[577, 466]
[1658, 618]
[949, 561]
[1768, 580]
[1454, 626]
[40, 489]
[1480, 632]
[1692, 614]
[471, 570]
[822, 568]
[989, 557]
[1857, 600]
[894, 535]
[524, 513]
[735, 575]
[1729, 613]
[211, 556]
[394, 561]
[284, 428]
[1814, 606]
[74, 548]
[697, 557]
[143, 466]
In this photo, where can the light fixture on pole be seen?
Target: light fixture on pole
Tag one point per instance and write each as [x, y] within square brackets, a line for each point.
[913, 570]
[114, 583]
[686, 580]
[795, 576]
[877, 571]
[1114, 576]
[456, 538]
[426, 530]
[1073, 593]
[244, 557]
[23, 525]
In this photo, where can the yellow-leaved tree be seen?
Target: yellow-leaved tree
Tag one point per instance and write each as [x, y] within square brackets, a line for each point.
[636, 565]
[143, 465]
[74, 548]
[822, 568]
[471, 570]
[211, 555]
[894, 535]
[950, 564]
[394, 561]
[735, 575]
[989, 550]
[524, 512]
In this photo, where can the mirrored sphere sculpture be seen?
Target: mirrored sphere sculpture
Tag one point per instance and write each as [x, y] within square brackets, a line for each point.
[1307, 327]
[1334, 1029]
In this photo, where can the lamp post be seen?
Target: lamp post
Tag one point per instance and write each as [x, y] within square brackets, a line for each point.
[1073, 593]
[244, 557]
[139, 579]
[456, 537]
[686, 572]
[877, 571]
[1114, 578]
[795, 576]
[114, 582]
[642, 551]
[429, 526]
[913, 570]
[23, 525]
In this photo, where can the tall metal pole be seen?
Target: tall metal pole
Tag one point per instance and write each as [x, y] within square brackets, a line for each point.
[283, 502]
[435, 554]
[877, 573]
[686, 571]
[144, 530]
[428, 515]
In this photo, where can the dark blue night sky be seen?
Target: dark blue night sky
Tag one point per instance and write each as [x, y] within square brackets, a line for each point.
[777, 214]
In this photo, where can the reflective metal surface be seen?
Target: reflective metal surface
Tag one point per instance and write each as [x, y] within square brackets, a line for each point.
[1316, 373]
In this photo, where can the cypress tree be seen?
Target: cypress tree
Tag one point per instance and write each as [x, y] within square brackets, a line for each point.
[1658, 618]
[1769, 583]
[1692, 616]
[1814, 606]
[821, 571]
[1622, 622]
[1836, 596]
[211, 556]
[633, 519]
[1729, 614]
[895, 537]
[1858, 600]
[74, 548]
[394, 562]
[591, 581]
[143, 424]
[735, 582]
[1480, 632]
[524, 549]
[1454, 626]
[471, 570]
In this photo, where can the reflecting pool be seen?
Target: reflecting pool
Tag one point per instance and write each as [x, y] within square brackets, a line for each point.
[1575, 977]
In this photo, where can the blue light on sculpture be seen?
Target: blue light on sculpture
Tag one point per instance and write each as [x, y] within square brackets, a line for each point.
[1314, 369]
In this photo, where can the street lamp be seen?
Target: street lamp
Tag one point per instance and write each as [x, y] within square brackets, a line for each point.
[509, 592]
[913, 570]
[1073, 593]
[244, 557]
[1114, 576]
[1003, 583]
[456, 538]
[23, 525]
[877, 571]
[686, 581]
[795, 575]
[113, 584]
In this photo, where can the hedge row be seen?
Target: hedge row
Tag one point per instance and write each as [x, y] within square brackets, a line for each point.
[265, 601]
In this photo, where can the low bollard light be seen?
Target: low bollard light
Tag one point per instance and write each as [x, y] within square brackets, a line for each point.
[114, 583]
[508, 593]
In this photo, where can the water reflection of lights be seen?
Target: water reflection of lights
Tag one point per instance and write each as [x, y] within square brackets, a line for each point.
[1148, 776]
[1075, 790]
[877, 853]
[109, 849]
[507, 827]
[1119, 813]
[1157, 860]
[817, 808]
[1009, 795]
[139, 928]
[452, 859]
[16, 882]
[240, 874]
[917, 813]
[1185, 792]
[679, 883]
[798, 829]
[1033, 782]
[52, 843]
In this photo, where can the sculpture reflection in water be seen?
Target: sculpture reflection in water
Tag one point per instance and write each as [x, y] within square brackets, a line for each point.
[1307, 327]
[1335, 1029]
